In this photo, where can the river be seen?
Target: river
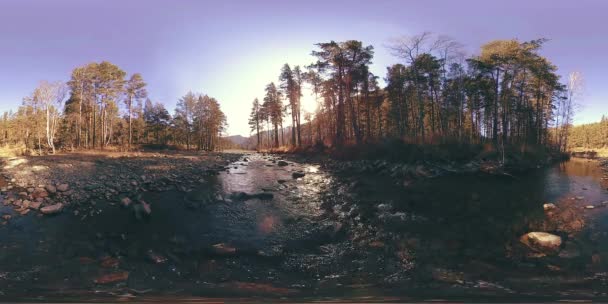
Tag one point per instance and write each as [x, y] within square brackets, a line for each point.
[256, 231]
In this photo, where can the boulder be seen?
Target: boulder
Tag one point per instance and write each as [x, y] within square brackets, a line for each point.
[549, 207]
[52, 209]
[542, 242]
[282, 163]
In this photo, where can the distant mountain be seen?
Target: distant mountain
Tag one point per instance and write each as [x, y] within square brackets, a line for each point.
[238, 141]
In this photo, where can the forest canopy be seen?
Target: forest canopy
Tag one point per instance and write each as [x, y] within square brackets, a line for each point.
[507, 94]
[100, 107]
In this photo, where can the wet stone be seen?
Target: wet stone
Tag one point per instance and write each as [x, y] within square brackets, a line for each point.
[51, 189]
[63, 187]
[112, 278]
[549, 206]
[296, 175]
[155, 257]
[52, 209]
[542, 242]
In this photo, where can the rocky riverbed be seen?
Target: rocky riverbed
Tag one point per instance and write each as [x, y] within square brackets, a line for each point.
[169, 226]
[77, 182]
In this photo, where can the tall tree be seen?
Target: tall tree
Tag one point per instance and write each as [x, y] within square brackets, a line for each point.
[255, 118]
[135, 91]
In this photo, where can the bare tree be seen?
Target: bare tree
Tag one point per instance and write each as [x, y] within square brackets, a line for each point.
[51, 97]
[574, 92]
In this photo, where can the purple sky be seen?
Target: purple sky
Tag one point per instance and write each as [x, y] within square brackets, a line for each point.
[231, 49]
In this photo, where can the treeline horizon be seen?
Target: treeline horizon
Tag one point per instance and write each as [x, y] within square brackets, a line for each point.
[100, 107]
[590, 136]
[507, 95]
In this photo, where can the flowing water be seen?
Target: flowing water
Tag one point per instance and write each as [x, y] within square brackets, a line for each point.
[256, 231]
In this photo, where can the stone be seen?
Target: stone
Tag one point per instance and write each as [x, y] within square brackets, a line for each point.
[242, 196]
[40, 193]
[296, 175]
[142, 210]
[52, 209]
[112, 278]
[549, 206]
[63, 187]
[282, 163]
[51, 189]
[223, 249]
[155, 257]
[589, 207]
[35, 205]
[109, 262]
[542, 242]
[125, 202]
[147, 208]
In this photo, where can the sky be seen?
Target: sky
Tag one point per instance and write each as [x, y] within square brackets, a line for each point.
[231, 49]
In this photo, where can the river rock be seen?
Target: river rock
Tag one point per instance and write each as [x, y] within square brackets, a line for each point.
[52, 209]
[112, 278]
[242, 196]
[542, 242]
[125, 202]
[142, 210]
[155, 257]
[223, 249]
[282, 163]
[63, 187]
[40, 193]
[35, 205]
[549, 207]
[298, 174]
[51, 189]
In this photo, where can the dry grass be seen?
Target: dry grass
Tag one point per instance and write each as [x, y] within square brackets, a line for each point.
[601, 152]
[11, 151]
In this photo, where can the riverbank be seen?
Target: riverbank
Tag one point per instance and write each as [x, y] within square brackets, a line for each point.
[406, 162]
[73, 182]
